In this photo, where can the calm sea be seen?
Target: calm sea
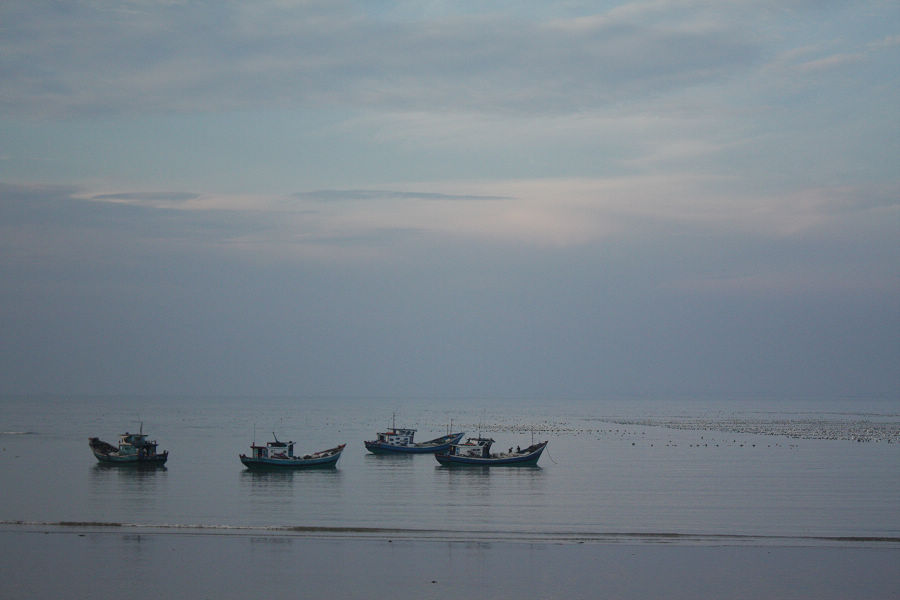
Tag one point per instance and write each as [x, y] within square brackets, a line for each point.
[678, 471]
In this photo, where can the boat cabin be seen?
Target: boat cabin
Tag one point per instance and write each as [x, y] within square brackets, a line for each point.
[397, 437]
[135, 443]
[274, 449]
[473, 447]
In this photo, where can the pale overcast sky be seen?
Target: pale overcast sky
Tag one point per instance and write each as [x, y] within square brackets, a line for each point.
[539, 199]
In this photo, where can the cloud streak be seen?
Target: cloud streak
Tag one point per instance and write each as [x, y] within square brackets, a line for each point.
[376, 195]
[561, 213]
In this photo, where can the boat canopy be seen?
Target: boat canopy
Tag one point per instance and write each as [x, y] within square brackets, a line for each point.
[397, 436]
[274, 449]
[476, 447]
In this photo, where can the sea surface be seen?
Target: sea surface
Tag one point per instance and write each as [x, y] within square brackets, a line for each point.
[690, 472]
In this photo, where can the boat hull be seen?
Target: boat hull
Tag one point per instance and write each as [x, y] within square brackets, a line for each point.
[522, 460]
[154, 460]
[288, 464]
[440, 444]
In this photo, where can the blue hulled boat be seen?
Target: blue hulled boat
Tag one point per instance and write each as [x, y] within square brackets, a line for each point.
[133, 449]
[477, 452]
[400, 439]
[280, 455]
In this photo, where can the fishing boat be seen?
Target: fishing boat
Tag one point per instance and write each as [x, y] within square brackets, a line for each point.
[477, 452]
[133, 449]
[400, 439]
[280, 455]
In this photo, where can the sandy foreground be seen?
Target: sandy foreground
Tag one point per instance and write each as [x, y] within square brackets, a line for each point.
[77, 562]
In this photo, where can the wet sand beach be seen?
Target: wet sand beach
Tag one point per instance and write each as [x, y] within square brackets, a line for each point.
[109, 562]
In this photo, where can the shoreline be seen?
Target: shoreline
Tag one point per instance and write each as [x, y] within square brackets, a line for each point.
[454, 536]
[112, 562]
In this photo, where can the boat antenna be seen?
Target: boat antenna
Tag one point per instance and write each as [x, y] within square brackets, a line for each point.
[273, 435]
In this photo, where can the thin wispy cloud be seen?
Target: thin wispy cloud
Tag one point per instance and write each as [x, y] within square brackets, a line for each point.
[149, 197]
[886, 42]
[834, 61]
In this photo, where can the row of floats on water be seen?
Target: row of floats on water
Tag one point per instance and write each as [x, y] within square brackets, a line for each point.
[450, 450]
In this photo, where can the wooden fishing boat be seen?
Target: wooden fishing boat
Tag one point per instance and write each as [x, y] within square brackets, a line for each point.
[400, 439]
[477, 452]
[280, 455]
[133, 449]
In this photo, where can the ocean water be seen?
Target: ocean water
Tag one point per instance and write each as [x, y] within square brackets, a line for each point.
[780, 473]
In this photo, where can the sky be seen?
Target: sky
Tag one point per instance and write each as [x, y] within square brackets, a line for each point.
[551, 200]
